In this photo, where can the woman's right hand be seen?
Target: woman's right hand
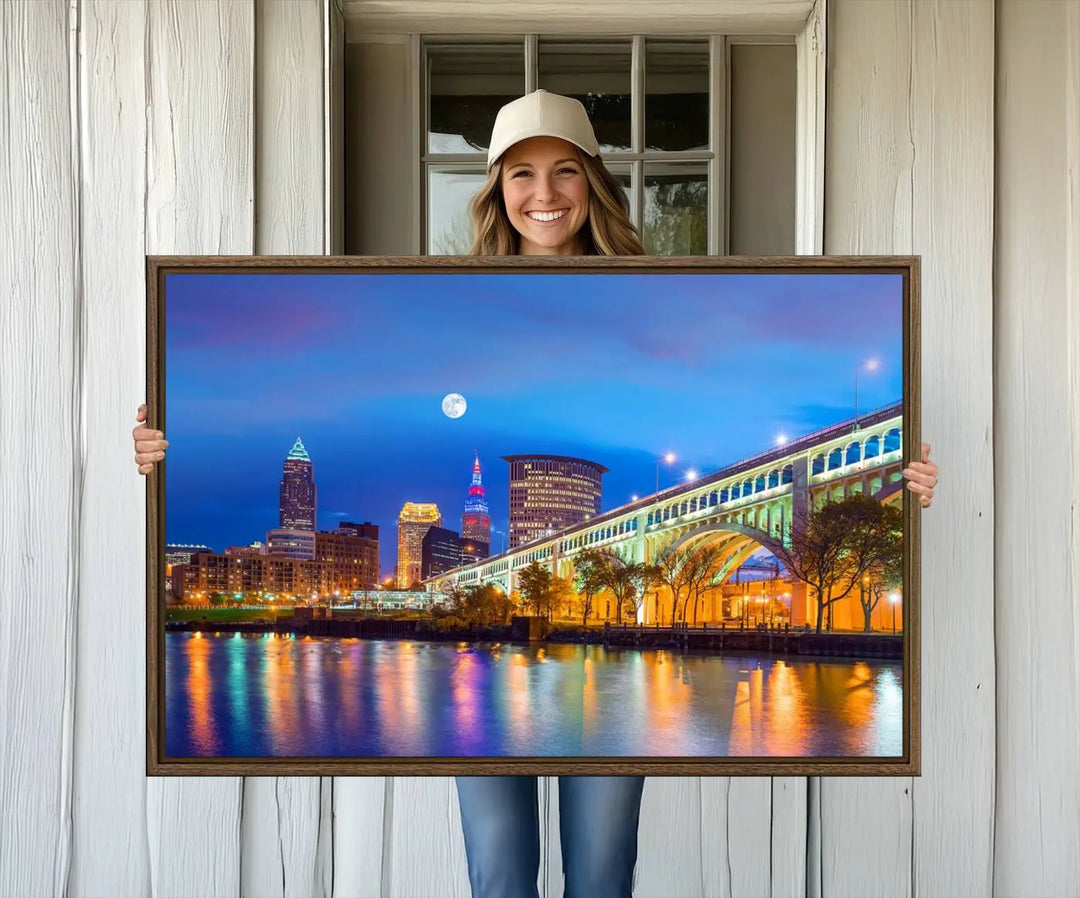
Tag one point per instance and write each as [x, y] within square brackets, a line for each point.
[149, 443]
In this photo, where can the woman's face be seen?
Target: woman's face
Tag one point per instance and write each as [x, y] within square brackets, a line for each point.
[546, 195]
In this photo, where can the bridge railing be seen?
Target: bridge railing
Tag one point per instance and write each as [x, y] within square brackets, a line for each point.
[794, 446]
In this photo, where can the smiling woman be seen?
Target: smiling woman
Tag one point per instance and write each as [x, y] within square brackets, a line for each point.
[548, 191]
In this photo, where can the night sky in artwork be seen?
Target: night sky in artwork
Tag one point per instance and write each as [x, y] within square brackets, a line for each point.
[615, 368]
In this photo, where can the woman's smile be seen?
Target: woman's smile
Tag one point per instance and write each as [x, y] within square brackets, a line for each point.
[546, 217]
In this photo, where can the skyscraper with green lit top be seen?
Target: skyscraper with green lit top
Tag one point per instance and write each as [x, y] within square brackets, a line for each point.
[298, 494]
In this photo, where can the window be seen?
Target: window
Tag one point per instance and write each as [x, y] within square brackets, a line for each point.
[662, 108]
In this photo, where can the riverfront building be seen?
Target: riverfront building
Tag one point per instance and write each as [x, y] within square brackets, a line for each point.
[179, 553]
[352, 553]
[298, 544]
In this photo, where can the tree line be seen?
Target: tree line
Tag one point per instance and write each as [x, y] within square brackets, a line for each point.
[855, 542]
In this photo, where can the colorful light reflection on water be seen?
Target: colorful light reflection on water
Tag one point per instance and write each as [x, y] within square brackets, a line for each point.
[277, 695]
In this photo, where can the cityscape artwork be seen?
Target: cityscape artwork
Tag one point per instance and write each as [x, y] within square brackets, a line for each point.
[536, 516]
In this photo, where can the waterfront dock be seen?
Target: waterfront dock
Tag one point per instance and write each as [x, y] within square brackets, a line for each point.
[711, 639]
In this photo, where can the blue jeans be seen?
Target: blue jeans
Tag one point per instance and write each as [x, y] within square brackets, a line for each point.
[598, 822]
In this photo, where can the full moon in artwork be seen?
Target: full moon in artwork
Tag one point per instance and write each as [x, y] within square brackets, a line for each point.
[453, 405]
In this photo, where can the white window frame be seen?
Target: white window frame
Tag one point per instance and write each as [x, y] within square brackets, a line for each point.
[637, 157]
[729, 21]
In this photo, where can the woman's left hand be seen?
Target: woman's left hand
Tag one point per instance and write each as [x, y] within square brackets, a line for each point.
[922, 477]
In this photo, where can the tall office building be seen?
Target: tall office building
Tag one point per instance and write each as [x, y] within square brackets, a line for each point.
[413, 523]
[474, 550]
[549, 493]
[476, 521]
[440, 551]
[297, 496]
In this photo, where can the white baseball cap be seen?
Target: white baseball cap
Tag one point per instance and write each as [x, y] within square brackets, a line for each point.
[541, 114]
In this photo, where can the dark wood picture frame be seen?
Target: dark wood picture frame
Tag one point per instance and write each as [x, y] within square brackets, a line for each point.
[906, 764]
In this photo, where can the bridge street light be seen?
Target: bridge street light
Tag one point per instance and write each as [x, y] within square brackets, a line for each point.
[871, 365]
[668, 457]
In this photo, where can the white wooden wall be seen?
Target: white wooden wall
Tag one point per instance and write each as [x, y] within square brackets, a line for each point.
[909, 169]
[201, 128]
[1037, 450]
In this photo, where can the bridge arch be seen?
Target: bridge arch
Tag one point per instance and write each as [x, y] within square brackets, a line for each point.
[736, 541]
[697, 533]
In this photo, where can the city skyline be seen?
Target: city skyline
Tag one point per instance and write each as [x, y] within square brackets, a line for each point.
[599, 377]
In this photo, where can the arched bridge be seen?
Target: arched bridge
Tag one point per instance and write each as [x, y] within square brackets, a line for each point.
[744, 507]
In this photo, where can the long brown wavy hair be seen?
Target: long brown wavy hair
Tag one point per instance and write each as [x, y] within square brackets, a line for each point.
[607, 231]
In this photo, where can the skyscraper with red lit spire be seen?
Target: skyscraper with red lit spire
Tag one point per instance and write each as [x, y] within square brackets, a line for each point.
[476, 521]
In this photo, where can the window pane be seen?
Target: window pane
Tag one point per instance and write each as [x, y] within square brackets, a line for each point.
[676, 209]
[597, 74]
[676, 95]
[624, 176]
[468, 84]
[449, 192]
[762, 183]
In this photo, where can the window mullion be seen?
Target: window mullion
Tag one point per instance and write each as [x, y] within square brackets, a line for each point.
[532, 74]
[421, 92]
[637, 130]
[718, 143]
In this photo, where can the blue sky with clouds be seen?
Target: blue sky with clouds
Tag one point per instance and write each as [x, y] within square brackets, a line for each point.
[617, 368]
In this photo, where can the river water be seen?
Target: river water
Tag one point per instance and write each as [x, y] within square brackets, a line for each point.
[281, 695]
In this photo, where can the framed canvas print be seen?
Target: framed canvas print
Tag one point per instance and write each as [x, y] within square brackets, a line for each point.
[533, 515]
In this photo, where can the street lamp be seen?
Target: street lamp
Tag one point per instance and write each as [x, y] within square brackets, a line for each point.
[668, 457]
[893, 599]
[691, 475]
